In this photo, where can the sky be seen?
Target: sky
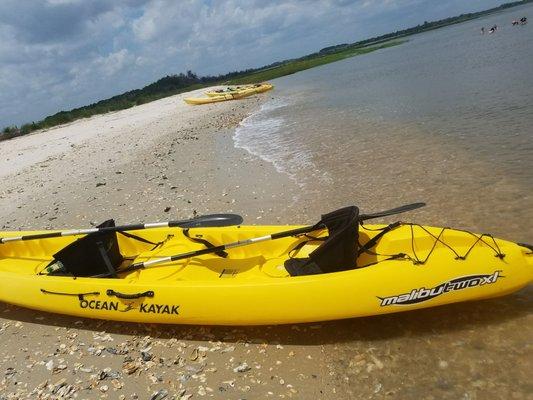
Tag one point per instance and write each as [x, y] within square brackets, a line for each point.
[61, 54]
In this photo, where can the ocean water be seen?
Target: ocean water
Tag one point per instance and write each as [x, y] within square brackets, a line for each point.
[445, 118]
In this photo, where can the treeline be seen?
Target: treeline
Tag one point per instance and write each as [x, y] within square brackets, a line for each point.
[174, 84]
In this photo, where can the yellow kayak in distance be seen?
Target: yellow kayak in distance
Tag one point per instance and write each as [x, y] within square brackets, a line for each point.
[228, 90]
[225, 97]
[258, 88]
[208, 100]
[232, 94]
[261, 277]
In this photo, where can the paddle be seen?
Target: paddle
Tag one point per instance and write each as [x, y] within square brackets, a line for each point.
[392, 211]
[274, 236]
[212, 220]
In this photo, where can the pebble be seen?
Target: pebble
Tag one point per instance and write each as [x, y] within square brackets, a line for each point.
[146, 356]
[117, 384]
[242, 368]
[159, 395]
[130, 367]
[63, 390]
[108, 374]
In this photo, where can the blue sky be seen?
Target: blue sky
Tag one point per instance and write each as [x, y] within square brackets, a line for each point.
[60, 54]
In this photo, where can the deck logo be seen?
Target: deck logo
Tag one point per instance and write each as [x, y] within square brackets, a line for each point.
[158, 309]
[142, 308]
[423, 294]
[99, 305]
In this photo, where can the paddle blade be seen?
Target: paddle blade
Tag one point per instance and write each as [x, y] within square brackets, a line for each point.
[393, 211]
[212, 220]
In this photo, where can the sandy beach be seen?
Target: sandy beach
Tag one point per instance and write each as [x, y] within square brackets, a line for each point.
[166, 160]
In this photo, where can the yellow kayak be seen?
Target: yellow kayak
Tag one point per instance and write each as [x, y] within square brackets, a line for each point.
[277, 280]
[208, 100]
[224, 97]
[257, 88]
[228, 90]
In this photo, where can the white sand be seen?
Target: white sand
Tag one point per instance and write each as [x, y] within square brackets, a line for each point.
[132, 124]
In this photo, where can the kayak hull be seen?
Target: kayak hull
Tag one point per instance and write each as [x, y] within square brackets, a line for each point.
[202, 100]
[251, 287]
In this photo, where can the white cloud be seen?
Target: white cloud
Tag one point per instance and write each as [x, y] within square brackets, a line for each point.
[114, 62]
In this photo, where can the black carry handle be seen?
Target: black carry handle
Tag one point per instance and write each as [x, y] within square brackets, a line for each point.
[127, 296]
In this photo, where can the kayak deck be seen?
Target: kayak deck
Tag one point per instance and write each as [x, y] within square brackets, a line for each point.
[259, 261]
[256, 88]
[251, 262]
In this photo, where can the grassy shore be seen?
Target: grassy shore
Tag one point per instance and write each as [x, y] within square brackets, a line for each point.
[311, 62]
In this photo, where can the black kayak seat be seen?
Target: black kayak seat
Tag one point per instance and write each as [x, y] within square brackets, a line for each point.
[338, 252]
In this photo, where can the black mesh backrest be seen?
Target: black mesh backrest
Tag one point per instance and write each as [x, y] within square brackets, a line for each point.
[339, 250]
[94, 254]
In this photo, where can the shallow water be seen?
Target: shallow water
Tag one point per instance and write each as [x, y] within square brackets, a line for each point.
[445, 118]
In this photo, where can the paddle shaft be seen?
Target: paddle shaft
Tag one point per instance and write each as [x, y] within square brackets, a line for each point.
[203, 221]
[239, 243]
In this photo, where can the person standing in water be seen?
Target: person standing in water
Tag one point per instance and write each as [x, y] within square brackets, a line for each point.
[482, 30]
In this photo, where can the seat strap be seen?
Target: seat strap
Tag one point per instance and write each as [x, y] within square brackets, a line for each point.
[209, 245]
[141, 239]
[112, 272]
[372, 242]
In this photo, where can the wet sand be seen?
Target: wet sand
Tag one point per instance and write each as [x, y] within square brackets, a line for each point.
[166, 160]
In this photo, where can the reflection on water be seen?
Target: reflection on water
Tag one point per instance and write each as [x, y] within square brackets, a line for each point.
[446, 118]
